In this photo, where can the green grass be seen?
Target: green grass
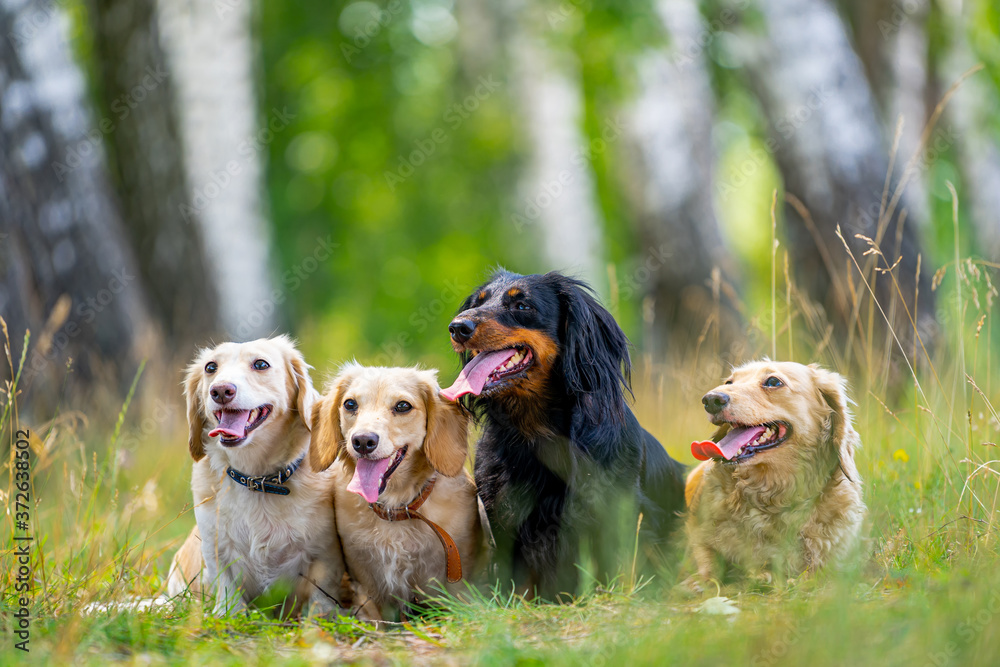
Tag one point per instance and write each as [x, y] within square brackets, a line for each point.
[111, 503]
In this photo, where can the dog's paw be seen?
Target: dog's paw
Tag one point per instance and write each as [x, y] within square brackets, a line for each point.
[321, 605]
[762, 580]
[693, 586]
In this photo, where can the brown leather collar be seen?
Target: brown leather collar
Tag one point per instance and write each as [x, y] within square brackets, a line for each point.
[454, 559]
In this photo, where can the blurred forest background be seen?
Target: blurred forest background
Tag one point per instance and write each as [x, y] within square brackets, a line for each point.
[185, 171]
[175, 173]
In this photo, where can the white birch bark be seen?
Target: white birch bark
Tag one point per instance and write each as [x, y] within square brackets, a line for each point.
[831, 153]
[212, 54]
[557, 194]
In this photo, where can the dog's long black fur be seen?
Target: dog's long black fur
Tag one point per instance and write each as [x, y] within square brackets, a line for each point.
[562, 465]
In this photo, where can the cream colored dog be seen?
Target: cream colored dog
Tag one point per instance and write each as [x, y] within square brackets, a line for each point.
[406, 507]
[265, 516]
[779, 492]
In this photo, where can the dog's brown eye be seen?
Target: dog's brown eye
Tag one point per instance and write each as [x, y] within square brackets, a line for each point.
[773, 382]
[211, 367]
[728, 382]
[350, 405]
[402, 407]
[261, 365]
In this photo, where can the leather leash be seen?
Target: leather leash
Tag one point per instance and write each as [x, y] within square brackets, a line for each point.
[453, 558]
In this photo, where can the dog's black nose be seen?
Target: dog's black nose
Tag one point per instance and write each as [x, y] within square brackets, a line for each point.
[365, 443]
[714, 401]
[223, 392]
[461, 329]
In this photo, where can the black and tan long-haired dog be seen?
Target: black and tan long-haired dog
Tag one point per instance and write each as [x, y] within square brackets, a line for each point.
[562, 466]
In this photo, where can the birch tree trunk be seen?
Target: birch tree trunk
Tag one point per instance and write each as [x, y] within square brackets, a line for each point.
[668, 182]
[140, 127]
[211, 54]
[557, 195]
[908, 96]
[833, 157]
[892, 42]
[68, 273]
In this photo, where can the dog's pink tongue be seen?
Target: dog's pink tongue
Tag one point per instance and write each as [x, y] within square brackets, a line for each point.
[473, 377]
[367, 473]
[729, 446]
[233, 423]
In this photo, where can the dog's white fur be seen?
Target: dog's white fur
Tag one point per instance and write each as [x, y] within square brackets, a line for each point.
[252, 540]
[395, 561]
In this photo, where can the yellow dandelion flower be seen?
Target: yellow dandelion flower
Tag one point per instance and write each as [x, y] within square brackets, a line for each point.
[900, 455]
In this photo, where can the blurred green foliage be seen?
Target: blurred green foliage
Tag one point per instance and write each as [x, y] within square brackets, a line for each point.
[418, 193]
[372, 99]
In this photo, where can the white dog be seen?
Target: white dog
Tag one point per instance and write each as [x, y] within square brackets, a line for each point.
[265, 517]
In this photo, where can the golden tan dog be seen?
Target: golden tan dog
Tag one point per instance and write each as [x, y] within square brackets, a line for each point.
[265, 516]
[398, 451]
[779, 492]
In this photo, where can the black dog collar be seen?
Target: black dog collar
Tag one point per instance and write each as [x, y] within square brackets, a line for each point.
[267, 483]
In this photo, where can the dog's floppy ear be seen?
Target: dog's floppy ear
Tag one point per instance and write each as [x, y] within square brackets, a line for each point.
[446, 444]
[327, 438]
[195, 415]
[302, 388]
[325, 429]
[595, 355]
[833, 389]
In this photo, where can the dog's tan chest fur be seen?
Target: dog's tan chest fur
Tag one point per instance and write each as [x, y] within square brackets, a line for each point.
[368, 415]
[391, 559]
[748, 522]
[791, 508]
